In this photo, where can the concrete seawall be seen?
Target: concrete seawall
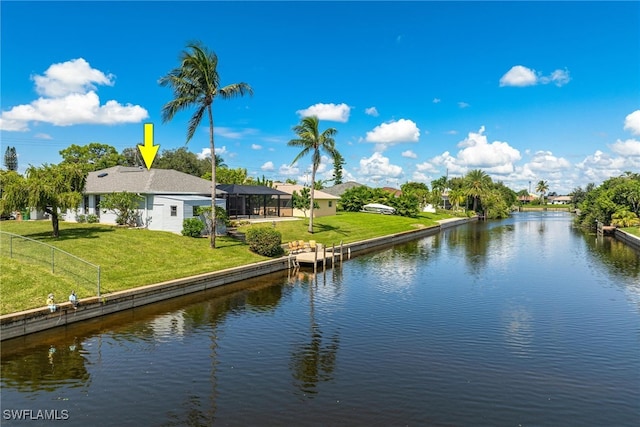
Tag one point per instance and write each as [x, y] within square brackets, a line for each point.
[627, 238]
[29, 321]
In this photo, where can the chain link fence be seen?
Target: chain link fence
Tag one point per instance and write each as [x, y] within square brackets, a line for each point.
[83, 273]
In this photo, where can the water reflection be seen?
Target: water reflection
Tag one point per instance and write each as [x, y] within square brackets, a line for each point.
[313, 359]
[47, 367]
[518, 329]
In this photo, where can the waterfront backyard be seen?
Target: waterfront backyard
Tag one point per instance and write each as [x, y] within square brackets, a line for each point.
[130, 258]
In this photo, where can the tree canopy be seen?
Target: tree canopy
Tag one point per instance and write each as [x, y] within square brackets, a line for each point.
[617, 198]
[11, 159]
[50, 188]
[93, 156]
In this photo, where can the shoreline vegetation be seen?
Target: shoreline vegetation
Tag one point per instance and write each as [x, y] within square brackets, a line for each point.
[130, 258]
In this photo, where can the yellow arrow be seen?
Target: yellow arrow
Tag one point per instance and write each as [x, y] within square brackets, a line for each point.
[148, 150]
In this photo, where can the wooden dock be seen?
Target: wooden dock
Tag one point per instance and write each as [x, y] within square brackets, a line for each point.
[321, 256]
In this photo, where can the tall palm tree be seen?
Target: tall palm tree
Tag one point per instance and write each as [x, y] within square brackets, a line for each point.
[542, 188]
[312, 141]
[477, 183]
[196, 83]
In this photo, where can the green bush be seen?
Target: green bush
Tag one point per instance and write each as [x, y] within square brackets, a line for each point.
[92, 218]
[81, 218]
[192, 227]
[264, 241]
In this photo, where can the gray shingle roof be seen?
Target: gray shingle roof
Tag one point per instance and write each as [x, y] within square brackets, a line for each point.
[144, 181]
[338, 189]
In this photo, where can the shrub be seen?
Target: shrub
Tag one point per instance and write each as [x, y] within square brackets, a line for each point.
[92, 218]
[81, 218]
[192, 227]
[264, 241]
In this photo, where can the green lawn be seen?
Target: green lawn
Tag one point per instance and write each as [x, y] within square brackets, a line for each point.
[349, 226]
[130, 258]
[632, 230]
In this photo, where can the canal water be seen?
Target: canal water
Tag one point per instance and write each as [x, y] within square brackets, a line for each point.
[525, 321]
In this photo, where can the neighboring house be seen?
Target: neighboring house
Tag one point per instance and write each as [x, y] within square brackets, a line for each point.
[528, 199]
[339, 189]
[326, 202]
[560, 200]
[168, 196]
[394, 191]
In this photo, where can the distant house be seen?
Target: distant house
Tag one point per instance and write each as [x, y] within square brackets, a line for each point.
[339, 189]
[560, 200]
[326, 202]
[394, 191]
[527, 199]
[167, 196]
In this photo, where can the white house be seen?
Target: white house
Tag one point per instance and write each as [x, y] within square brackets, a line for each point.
[167, 196]
[326, 202]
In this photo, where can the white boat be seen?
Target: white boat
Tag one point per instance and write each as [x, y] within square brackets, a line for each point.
[378, 208]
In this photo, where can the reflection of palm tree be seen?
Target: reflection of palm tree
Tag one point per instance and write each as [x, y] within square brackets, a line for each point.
[313, 361]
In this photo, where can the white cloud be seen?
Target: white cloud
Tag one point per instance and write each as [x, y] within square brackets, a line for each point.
[372, 111]
[42, 136]
[394, 132]
[544, 162]
[632, 123]
[377, 167]
[74, 76]
[463, 104]
[206, 152]
[231, 133]
[558, 77]
[426, 167]
[288, 170]
[409, 154]
[436, 100]
[630, 147]
[601, 166]
[497, 157]
[521, 76]
[419, 177]
[69, 98]
[267, 166]
[331, 112]
[451, 132]
[256, 147]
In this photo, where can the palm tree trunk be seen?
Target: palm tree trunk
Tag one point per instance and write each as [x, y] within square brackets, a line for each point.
[313, 181]
[213, 179]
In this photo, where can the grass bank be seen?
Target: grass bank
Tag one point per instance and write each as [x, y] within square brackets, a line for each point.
[129, 258]
[632, 230]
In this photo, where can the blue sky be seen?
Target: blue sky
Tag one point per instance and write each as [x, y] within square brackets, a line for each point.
[525, 91]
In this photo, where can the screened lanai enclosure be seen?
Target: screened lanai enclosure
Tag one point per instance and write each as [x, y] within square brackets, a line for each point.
[253, 201]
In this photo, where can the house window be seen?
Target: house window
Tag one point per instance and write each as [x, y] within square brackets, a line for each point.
[330, 203]
[86, 205]
[174, 211]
